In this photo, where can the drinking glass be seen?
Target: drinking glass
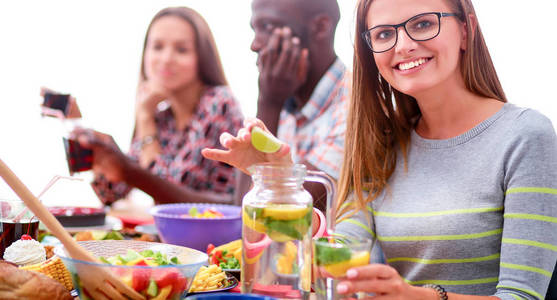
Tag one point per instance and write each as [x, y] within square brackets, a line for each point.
[79, 159]
[15, 221]
[332, 257]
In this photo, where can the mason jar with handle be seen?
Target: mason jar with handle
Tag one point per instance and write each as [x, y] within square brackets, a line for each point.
[277, 228]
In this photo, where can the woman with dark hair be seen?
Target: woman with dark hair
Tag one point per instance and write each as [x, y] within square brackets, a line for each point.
[183, 105]
[455, 184]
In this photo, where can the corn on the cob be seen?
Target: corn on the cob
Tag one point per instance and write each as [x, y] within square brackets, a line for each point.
[55, 269]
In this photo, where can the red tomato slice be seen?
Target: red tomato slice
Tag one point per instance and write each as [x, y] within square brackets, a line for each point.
[210, 248]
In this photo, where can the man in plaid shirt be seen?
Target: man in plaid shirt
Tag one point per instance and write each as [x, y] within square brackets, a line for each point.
[303, 85]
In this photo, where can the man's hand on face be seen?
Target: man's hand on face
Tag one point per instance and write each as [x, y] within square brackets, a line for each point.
[283, 67]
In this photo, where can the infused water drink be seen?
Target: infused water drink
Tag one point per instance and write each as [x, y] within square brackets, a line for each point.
[276, 233]
[277, 250]
[332, 257]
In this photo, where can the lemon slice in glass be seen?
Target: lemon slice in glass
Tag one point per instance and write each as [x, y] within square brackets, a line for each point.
[339, 269]
[264, 141]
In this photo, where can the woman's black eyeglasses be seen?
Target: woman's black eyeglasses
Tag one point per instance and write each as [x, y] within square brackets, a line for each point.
[422, 27]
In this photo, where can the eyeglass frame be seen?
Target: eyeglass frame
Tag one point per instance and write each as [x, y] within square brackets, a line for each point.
[439, 15]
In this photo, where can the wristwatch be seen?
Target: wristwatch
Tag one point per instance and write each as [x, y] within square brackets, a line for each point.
[146, 140]
[439, 289]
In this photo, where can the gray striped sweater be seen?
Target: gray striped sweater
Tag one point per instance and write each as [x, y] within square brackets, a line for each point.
[477, 213]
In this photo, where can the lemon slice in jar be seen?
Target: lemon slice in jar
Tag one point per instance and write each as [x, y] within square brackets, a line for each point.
[280, 237]
[264, 141]
[285, 211]
[253, 224]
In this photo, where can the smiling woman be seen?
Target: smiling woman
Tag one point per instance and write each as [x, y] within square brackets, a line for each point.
[438, 165]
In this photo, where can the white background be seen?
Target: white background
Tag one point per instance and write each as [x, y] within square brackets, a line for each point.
[92, 50]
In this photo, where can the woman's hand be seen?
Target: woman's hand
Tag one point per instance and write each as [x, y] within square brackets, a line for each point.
[73, 111]
[241, 154]
[382, 280]
[149, 95]
[108, 160]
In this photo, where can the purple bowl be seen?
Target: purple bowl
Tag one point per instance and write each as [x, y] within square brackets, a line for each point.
[197, 233]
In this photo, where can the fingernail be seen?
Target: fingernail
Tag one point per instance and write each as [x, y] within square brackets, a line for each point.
[351, 273]
[295, 40]
[342, 288]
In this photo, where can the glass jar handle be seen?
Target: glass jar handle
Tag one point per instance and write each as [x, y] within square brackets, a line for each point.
[330, 187]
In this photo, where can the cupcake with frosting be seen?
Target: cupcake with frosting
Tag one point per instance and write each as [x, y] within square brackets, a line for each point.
[25, 251]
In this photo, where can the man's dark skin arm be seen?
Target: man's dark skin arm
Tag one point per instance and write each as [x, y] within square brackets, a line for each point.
[164, 191]
[109, 160]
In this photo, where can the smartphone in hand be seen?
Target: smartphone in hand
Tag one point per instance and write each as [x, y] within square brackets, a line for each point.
[55, 101]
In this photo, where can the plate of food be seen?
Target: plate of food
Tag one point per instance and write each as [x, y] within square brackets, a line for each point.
[212, 279]
[227, 256]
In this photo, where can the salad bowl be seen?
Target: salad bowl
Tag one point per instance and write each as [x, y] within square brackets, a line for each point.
[177, 226]
[155, 270]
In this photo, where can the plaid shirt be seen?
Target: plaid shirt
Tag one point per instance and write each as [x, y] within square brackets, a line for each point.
[315, 132]
[180, 160]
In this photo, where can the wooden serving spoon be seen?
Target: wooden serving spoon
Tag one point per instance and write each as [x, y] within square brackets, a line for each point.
[99, 281]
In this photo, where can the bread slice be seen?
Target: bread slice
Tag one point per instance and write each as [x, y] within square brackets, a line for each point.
[18, 284]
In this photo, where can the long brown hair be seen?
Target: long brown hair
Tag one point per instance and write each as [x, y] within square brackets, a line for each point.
[377, 128]
[209, 64]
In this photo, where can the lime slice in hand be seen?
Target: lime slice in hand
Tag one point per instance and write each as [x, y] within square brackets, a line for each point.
[264, 141]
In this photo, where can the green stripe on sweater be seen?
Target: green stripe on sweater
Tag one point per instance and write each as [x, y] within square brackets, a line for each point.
[541, 190]
[445, 260]
[359, 224]
[439, 237]
[453, 282]
[530, 243]
[531, 217]
[437, 213]
[526, 268]
[533, 293]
